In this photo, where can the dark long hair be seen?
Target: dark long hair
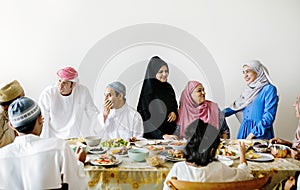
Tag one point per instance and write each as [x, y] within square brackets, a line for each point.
[203, 141]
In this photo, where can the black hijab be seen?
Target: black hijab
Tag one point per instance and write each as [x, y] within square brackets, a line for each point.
[164, 99]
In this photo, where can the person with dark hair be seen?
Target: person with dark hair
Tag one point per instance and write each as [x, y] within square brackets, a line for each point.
[200, 165]
[157, 102]
[38, 163]
[64, 106]
[118, 119]
[8, 93]
[193, 105]
[256, 107]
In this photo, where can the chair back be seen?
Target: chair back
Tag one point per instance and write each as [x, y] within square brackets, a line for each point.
[256, 183]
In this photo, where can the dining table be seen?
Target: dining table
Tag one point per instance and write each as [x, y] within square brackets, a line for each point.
[128, 174]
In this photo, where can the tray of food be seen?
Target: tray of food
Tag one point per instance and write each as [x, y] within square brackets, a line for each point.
[105, 160]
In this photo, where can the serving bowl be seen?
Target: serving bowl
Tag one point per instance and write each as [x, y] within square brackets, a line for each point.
[260, 148]
[138, 154]
[279, 150]
[92, 140]
[140, 143]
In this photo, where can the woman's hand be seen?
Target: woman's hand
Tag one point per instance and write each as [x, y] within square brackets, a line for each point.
[295, 153]
[280, 141]
[172, 117]
[275, 141]
[250, 136]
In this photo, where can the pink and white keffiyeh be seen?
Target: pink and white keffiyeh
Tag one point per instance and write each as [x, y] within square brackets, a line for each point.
[68, 74]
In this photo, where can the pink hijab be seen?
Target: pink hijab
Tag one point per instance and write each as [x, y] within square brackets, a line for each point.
[296, 142]
[189, 111]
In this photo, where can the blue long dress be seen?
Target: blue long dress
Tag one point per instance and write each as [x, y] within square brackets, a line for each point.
[259, 115]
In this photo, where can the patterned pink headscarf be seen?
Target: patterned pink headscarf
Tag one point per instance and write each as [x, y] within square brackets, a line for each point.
[296, 142]
[189, 111]
[68, 74]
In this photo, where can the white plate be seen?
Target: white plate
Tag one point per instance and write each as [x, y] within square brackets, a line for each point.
[162, 142]
[172, 159]
[98, 150]
[264, 157]
[116, 163]
[225, 160]
[114, 143]
[236, 156]
[150, 142]
[178, 145]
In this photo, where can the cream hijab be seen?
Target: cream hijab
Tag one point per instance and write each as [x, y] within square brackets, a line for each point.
[252, 89]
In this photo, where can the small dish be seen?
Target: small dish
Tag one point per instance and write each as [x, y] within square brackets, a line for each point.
[92, 140]
[98, 150]
[260, 148]
[140, 143]
[138, 154]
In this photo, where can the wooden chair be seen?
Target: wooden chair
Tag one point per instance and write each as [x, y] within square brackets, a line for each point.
[256, 183]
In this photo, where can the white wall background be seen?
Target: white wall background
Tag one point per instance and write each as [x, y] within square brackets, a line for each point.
[39, 37]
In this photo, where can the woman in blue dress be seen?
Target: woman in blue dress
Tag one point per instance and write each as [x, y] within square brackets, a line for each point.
[257, 105]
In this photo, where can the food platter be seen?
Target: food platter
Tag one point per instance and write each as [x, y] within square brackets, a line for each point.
[174, 159]
[177, 144]
[115, 143]
[105, 160]
[261, 157]
[228, 153]
[119, 151]
[115, 163]
[121, 155]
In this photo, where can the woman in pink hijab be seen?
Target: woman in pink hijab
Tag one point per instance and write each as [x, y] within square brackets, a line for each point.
[193, 105]
[295, 145]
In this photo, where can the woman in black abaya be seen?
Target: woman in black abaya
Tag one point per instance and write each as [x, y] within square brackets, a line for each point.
[157, 103]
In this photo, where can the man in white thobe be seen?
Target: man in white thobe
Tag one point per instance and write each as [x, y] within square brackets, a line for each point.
[35, 163]
[64, 105]
[118, 119]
